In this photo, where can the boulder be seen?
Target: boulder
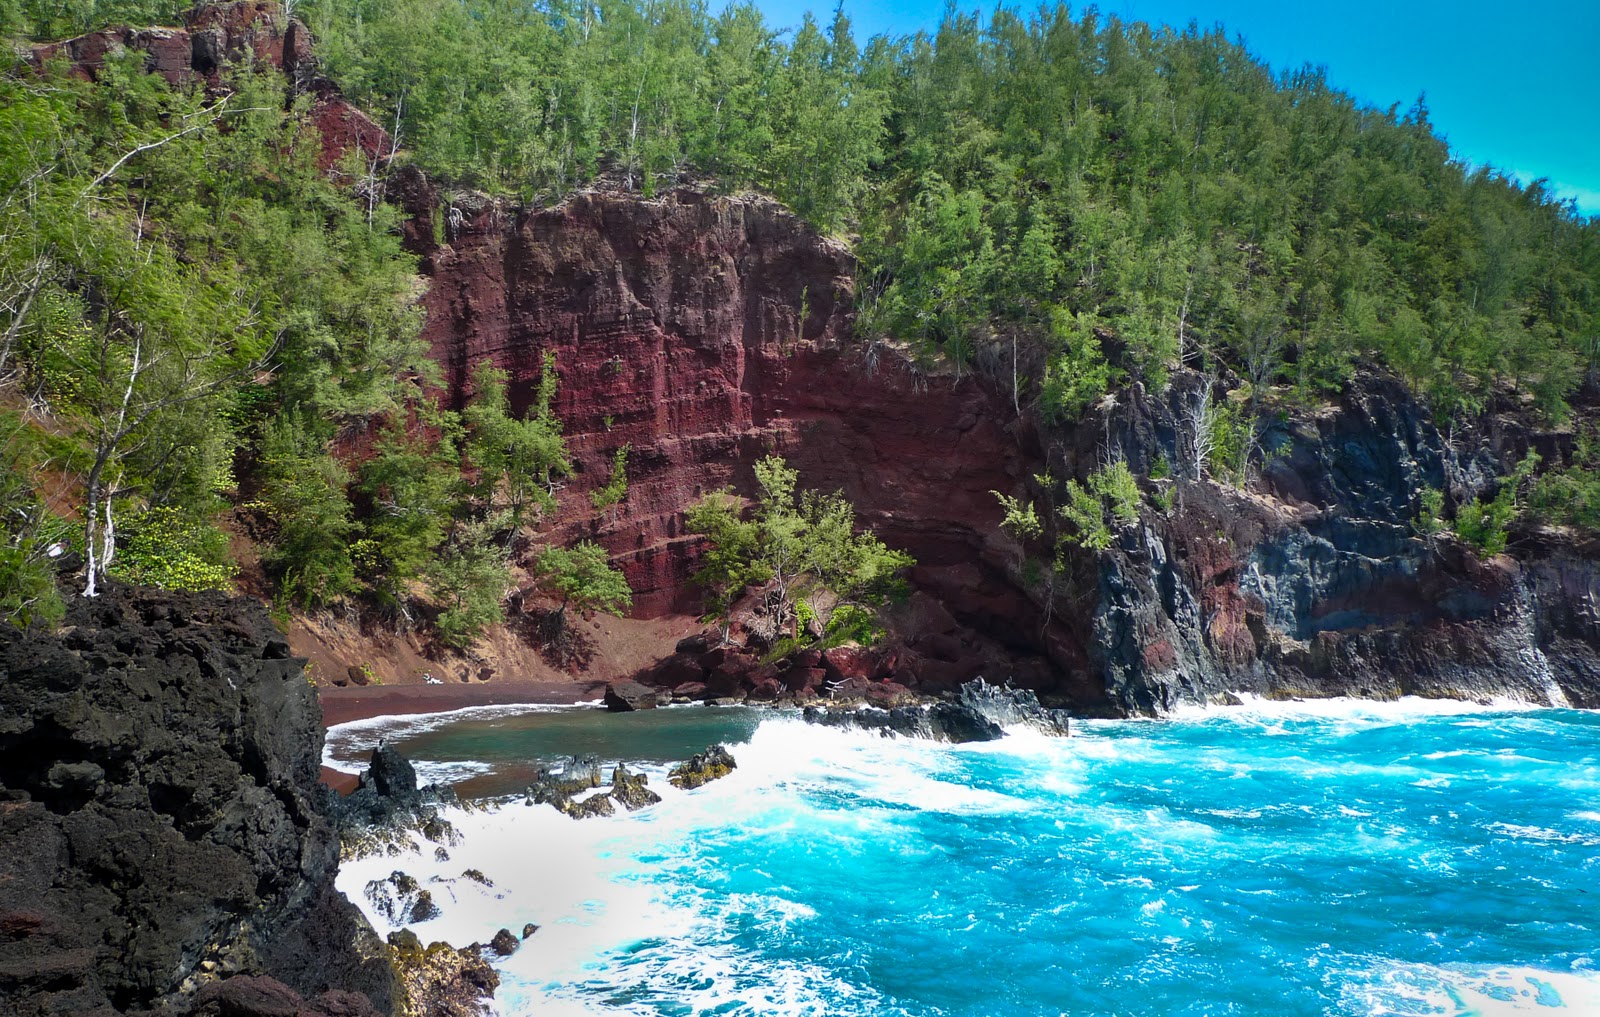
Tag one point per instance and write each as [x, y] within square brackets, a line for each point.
[691, 691]
[675, 670]
[626, 696]
[845, 662]
[887, 694]
[804, 680]
[765, 690]
[695, 644]
[702, 767]
[529, 929]
[504, 943]
[631, 790]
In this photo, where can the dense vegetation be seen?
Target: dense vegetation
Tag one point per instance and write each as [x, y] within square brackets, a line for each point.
[192, 313]
[196, 329]
[1028, 181]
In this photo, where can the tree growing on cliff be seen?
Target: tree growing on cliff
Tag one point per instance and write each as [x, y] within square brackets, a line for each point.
[582, 577]
[615, 489]
[801, 546]
[469, 579]
[521, 457]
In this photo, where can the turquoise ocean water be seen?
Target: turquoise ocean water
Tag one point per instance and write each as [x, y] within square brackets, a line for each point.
[1275, 859]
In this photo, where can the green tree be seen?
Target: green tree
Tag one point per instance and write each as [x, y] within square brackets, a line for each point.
[802, 546]
[584, 580]
[519, 457]
[469, 579]
[615, 489]
[303, 492]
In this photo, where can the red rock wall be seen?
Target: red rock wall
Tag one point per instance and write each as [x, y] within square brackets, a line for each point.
[676, 325]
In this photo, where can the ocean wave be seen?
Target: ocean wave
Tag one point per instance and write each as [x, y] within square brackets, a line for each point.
[344, 741]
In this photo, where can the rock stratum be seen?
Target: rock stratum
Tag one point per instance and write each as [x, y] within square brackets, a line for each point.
[163, 821]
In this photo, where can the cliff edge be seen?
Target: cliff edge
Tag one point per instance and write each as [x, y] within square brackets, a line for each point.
[164, 823]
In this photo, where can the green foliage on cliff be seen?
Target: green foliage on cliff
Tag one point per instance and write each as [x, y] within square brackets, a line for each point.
[803, 546]
[1109, 497]
[1024, 185]
[582, 577]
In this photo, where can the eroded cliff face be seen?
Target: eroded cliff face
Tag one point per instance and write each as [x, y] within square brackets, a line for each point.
[1316, 583]
[163, 821]
[707, 331]
[217, 38]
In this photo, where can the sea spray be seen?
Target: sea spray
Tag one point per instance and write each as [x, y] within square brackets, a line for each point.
[1296, 859]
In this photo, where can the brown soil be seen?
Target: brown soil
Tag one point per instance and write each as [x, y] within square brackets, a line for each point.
[506, 666]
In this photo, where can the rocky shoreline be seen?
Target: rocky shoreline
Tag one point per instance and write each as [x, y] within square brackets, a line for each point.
[169, 847]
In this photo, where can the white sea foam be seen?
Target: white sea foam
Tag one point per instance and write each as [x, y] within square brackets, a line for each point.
[346, 740]
[1426, 990]
[1255, 709]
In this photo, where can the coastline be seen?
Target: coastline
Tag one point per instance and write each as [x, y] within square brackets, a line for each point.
[343, 705]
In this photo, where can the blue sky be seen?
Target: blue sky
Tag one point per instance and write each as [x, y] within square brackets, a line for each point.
[1518, 90]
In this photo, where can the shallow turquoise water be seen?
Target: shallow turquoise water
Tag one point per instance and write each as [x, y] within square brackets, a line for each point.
[1316, 860]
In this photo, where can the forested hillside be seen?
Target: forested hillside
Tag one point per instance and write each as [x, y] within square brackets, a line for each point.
[1042, 175]
[194, 309]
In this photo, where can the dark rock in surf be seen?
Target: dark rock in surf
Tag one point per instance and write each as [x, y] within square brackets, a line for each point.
[979, 712]
[504, 943]
[390, 773]
[702, 768]
[627, 696]
[631, 790]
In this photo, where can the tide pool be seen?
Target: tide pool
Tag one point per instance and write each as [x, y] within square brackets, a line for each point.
[1275, 859]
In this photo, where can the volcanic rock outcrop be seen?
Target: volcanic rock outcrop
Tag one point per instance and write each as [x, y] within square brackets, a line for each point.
[161, 813]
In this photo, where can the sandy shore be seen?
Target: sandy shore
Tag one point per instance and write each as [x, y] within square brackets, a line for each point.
[340, 706]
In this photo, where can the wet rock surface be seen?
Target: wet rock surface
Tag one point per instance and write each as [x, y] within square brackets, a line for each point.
[570, 790]
[440, 980]
[702, 768]
[161, 813]
[979, 712]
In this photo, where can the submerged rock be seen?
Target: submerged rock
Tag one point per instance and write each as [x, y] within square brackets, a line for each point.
[702, 767]
[980, 712]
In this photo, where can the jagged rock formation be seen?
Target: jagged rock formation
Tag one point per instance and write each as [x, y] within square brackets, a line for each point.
[979, 712]
[1316, 584]
[440, 980]
[561, 788]
[161, 813]
[701, 768]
